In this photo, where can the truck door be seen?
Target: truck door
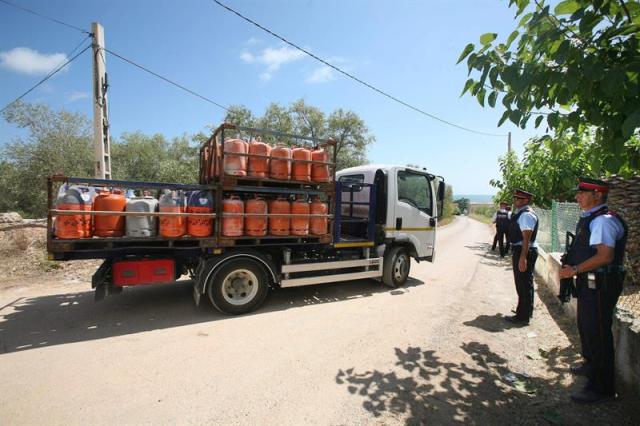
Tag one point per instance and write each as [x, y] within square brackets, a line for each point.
[414, 210]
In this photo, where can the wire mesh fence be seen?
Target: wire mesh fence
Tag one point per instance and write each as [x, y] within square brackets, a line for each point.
[552, 229]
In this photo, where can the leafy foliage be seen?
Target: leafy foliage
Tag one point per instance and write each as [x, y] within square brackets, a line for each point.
[571, 68]
[345, 127]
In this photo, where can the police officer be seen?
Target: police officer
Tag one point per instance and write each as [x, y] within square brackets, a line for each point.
[598, 248]
[523, 229]
[501, 219]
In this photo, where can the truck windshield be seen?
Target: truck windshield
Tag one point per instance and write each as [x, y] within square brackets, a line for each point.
[414, 189]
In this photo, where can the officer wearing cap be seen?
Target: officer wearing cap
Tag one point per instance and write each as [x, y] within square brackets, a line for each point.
[523, 229]
[501, 219]
[598, 248]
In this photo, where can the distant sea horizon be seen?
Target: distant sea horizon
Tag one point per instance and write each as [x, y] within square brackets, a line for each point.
[475, 198]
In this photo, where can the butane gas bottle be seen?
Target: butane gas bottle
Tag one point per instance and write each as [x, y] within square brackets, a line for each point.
[279, 225]
[258, 166]
[280, 163]
[172, 226]
[142, 226]
[318, 225]
[77, 225]
[255, 226]
[200, 202]
[299, 169]
[320, 172]
[233, 226]
[235, 165]
[300, 223]
[109, 226]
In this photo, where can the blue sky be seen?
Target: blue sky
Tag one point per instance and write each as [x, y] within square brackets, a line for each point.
[407, 48]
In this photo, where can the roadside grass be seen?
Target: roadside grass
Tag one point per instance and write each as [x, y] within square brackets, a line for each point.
[480, 218]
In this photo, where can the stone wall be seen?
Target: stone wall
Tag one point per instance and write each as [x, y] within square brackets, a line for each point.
[624, 198]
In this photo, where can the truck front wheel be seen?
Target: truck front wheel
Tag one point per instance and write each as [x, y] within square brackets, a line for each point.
[396, 267]
[238, 287]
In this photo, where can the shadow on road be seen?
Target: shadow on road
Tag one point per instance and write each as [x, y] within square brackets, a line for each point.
[490, 257]
[492, 323]
[30, 323]
[420, 387]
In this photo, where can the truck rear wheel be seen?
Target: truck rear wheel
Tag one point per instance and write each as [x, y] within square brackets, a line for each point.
[396, 267]
[238, 287]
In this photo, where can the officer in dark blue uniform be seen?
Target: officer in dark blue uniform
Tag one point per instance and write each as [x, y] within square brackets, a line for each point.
[501, 219]
[601, 236]
[523, 229]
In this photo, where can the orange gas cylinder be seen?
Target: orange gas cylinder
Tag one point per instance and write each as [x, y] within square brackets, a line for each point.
[256, 226]
[172, 226]
[109, 226]
[200, 202]
[320, 172]
[279, 225]
[299, 169]
[258, 166]
[300, 224]
[73, 226]
[235, 165]
[232, 226]
[319, 225]
[280, 169]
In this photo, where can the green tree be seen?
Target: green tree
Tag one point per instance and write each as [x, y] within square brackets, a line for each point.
[352, 138]
[463, 205]
[57, 142]
[307, 120]
[572, 67]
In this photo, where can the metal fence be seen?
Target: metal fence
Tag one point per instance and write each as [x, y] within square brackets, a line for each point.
[552, 228]
[555, 223]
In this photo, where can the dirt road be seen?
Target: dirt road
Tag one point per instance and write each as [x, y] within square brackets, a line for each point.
[436, 351]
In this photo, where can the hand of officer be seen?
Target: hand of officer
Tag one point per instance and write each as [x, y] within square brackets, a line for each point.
[522, 264]
[566, 272]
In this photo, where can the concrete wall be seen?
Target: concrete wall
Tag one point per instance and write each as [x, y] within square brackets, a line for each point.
[626, 328]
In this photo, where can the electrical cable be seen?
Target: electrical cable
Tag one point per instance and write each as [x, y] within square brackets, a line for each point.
[204, 98]
[57, 21]
[47, 77]
[351, 76]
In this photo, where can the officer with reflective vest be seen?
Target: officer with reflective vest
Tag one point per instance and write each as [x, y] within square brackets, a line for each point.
[501, 219]
[523, 229]
[598, 249]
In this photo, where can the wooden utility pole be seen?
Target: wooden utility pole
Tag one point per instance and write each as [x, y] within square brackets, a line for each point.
[509, 142]
[100, 111]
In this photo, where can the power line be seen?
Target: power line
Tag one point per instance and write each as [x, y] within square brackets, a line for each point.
[57, 21]
[47, 77]
[351, 76]
[155, 74]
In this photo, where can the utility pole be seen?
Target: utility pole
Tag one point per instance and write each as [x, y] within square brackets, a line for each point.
[101, 142]
[509, 142]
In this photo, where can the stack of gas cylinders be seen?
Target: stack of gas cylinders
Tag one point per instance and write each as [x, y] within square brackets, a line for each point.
[254, 216]
[75, 226]
[258, 159]
[281, 216]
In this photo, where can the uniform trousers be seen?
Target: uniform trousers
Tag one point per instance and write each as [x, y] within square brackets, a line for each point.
[524, 282]
[595, 316]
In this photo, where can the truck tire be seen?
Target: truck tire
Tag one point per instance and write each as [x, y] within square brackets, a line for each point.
[238, 286]
[396, 267]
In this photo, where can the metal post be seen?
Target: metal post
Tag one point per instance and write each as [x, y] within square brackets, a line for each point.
[555, 239]
[509, 142]
[101, 142]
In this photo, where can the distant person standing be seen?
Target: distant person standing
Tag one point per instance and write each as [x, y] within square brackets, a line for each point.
[601, 237]
[507, 234]
[501, 219]
[523, 229]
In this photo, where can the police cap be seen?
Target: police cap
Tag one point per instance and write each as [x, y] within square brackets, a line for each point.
[521, 193]
[592, 185]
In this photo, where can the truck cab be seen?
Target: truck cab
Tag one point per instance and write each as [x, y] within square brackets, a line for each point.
[409, 202]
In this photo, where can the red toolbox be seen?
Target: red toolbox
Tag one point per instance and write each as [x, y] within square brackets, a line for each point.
[143, 271]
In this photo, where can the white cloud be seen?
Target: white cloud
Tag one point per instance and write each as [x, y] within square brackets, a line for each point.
[321, 75]
[29, 61]
[252, 41]
[247, 57]
[272, 58]
[75, 96]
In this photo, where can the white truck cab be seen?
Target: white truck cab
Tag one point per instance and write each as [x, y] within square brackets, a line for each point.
[409, 203]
